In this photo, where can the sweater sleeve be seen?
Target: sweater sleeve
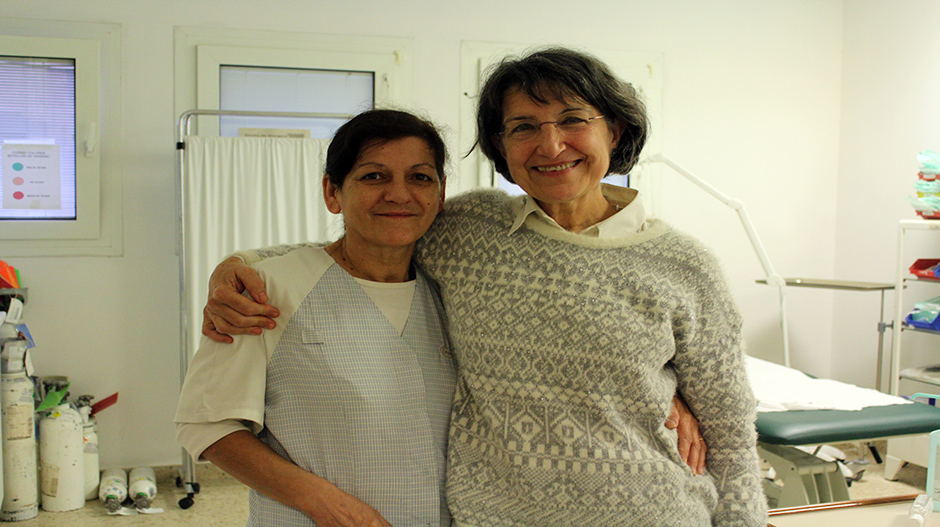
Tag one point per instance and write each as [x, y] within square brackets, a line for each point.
[710, 367]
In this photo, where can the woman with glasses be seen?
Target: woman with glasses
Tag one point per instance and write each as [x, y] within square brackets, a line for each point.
[574, 318]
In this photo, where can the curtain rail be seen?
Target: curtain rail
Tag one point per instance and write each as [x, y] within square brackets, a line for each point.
[183, 124]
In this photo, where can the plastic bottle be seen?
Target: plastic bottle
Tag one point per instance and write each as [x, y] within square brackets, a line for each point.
[142, 486]
[921, 509]
[62, 460]
[113, 488]
[90, 450]
[933, 470]
[20, 482]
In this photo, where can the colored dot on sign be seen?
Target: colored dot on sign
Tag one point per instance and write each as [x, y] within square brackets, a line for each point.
[18, 195]
[17, 166]
[18, 181]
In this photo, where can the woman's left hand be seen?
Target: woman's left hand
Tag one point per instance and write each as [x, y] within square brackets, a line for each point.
[692, 447]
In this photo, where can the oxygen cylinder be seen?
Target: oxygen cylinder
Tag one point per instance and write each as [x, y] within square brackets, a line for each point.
[62, 458]
[20, 485]
[113, 489]
[142, 486]
[8, 332]
[90, 440]
[90, 450]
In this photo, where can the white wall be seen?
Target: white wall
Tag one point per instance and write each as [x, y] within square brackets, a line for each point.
[751, 103]
[890, 112]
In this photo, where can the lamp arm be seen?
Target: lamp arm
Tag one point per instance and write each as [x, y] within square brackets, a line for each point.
[659, 158]
[773, 278]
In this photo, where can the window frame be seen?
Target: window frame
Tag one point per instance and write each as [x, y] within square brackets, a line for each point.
[96, 49]
[210, 59]
[198, 52]
[87, 168]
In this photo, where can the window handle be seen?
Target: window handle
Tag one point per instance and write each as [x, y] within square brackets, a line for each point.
[91, 141]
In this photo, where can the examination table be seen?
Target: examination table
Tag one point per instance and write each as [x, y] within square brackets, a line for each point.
[821, 411]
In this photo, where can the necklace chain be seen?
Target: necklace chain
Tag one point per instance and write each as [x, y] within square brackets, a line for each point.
[345, 256]
[350, 266]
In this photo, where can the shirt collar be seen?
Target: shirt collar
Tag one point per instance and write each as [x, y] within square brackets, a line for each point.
[630, 219]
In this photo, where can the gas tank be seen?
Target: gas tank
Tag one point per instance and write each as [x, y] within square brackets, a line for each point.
[62, 460]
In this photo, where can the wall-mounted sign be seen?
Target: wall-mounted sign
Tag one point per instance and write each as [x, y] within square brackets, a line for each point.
[31, 177]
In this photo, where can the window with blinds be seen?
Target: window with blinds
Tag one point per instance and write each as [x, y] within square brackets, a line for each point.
[60, 138]
[37, 136]
[271, 72]
[266, 89]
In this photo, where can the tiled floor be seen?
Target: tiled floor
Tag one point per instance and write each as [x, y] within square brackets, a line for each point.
[912, 479]
[222, 501]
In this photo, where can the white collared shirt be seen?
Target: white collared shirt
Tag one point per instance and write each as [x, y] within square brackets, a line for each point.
[630, 218]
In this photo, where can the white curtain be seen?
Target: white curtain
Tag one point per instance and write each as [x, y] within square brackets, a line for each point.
[242, 193]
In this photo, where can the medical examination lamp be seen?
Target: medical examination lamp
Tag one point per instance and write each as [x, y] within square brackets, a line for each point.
[773, 278]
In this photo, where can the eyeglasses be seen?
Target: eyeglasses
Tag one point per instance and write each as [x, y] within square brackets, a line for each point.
[525, 130]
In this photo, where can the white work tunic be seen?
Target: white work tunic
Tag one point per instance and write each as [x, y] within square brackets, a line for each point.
[345, 396]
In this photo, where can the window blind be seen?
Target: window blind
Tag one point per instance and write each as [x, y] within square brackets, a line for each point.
[37, 106]
[255, 88]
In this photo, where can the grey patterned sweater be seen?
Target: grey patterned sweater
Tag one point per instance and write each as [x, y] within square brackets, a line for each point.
[569, 350]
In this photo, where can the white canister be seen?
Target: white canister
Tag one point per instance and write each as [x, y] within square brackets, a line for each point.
[62, 460]
[142, 486]
[90, 437]
[113, 488]
[20, 485]
[90, 451]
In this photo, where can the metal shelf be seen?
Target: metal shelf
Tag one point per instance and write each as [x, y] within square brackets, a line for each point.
[843, 285]
[914, 278]
[902, 450]
[902, 278]
[908, 327]
[925, 374]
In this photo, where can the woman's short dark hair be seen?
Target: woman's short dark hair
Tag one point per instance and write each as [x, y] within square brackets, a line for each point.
[562, 74]
[376, 127]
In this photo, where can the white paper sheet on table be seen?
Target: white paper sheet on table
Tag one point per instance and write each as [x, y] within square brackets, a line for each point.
[778, 389]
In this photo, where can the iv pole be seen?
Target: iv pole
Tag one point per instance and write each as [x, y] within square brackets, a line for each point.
[773, 279]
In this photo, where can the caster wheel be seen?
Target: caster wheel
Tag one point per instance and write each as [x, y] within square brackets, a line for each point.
[196, 488]
[186, 503]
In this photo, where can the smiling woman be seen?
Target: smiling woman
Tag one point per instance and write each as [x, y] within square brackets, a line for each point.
[586, 318]
[561, 166]
[340, 414]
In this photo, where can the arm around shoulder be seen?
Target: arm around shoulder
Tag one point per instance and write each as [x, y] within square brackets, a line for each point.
[228, 311]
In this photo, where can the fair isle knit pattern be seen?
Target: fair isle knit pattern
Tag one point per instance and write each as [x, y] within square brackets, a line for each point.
[569, 352]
